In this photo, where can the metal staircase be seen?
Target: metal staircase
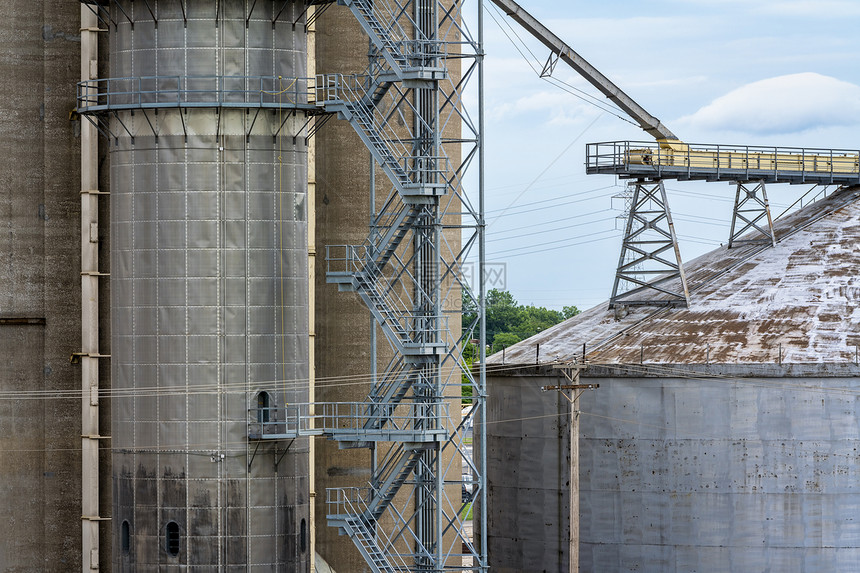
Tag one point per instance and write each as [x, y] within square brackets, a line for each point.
[392, 474]
[390, 391]
[415, 176]
[408, 58]
[388, 38]
[406, 273]
[383, 246]
[412, 334]
[346, 512]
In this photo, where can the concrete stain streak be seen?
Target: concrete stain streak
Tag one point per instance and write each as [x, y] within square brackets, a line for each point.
[49, 35]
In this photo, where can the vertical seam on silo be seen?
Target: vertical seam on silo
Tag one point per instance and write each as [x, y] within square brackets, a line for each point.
[220, 288]
[278, 243]
[188, 477]
[185, 196]
[300, 375]
[157, 312]
[133, 281]
[247, 341]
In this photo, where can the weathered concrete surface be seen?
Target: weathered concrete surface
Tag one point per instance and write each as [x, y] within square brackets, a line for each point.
[528, 460]
[709, 469]
[342, 320]
[39, 278]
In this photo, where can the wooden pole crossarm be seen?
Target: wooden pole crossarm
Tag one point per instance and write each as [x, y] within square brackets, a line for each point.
[571, 387]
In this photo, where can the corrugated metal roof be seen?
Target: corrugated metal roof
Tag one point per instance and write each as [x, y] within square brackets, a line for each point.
[798, 302]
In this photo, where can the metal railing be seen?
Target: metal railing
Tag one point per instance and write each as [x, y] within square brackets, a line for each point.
[345, 259]
[384, 294]
[278, 421]
[389, 16]
[350, 504]
[348, 500]
[354, 418]
[406, 418]
[728, 161]
[194, 91]
[356, 89]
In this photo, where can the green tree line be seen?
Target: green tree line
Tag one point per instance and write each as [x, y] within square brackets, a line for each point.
[509, 322]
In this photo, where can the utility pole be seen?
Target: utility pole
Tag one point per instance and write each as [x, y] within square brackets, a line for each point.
[572, 391]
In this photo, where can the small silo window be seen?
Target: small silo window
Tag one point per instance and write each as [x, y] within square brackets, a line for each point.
[264, 407]
[303, 536]
[125, 537]
[171, 534]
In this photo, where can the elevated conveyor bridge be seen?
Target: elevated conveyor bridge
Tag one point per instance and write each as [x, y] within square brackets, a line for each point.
[638, 159]
[650, 258]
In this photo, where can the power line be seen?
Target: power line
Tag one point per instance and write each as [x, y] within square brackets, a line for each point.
[553, 230]
[547, 168]
[550, 222]
[570, 242]
[559, 198]
[586, 97]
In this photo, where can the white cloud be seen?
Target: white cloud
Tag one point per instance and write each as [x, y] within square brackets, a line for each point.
[824, 9]
[555, 107]
[781, 105]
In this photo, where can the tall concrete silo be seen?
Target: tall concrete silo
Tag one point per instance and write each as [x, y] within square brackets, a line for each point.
[40, 513]
[723, 437]
[343, 215]
[205, 109]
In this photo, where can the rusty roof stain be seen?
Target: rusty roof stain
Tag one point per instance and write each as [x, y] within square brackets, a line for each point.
[798, 302]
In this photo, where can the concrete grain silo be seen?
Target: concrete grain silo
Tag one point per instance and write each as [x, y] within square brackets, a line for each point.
[722, 437]
[342, 323]
[40, 277]
[154, 350]
[204, 111]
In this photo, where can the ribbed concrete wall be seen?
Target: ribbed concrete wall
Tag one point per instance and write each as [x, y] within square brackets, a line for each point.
[342, 320]
[40, 281]
[209, 291]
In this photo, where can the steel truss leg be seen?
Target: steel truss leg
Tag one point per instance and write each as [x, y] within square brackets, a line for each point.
[645, 276]
[753, 210]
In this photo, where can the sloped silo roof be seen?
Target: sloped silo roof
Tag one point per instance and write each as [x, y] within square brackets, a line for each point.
[797, 302]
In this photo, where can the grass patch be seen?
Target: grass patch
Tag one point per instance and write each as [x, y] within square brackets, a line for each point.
[466, 512]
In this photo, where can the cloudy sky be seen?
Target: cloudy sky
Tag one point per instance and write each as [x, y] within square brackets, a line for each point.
[746, 72]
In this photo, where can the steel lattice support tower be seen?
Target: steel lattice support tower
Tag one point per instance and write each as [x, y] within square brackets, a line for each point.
[751, 213]
[408, 108]
[650, 260]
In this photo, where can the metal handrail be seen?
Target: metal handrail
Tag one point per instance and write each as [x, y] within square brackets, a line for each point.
[194, 91]
[407, 417]
[354, 502]
[724, 158]
[390, 14]
[355, 262]
[356, 89]
[297, 421]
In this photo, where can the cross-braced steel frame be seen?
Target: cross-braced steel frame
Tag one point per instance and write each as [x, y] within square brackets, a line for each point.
[650, 271]
[751, 215]
[408, 107]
